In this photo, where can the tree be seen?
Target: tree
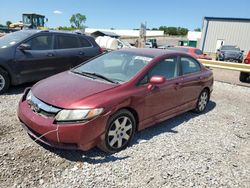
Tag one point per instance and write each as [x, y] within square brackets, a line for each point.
[197, 29]
[174, 30]
[77, 20]
[65, 28]
[8, 23]
[182, 31]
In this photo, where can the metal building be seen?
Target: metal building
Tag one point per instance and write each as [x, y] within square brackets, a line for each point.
[228, 31]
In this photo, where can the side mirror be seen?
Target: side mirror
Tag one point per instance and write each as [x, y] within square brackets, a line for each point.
[218, 50]
[156, 80]
[24, 47]
[242, 51]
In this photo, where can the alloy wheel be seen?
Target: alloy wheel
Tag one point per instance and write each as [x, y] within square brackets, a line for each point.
[120, 132]
[203, 101]
[2, 82]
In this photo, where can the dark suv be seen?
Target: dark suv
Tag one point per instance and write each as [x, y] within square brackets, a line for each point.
[31, 55]
[229, 53]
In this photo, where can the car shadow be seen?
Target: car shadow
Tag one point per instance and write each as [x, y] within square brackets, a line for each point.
[96, 156]
[15, 90]
[169, 125]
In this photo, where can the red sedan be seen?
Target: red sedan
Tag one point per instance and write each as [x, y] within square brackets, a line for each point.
[195, 52]
[105, 101]
[245, 76]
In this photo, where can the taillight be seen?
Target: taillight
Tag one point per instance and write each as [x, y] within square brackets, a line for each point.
[102, 50]
[246, 61]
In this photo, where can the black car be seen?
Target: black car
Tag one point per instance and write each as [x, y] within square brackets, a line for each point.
[229, 53]
[31, 55]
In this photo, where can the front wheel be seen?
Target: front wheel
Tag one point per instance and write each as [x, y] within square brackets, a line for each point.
[4, 81]
[119, 132]
[202, 101]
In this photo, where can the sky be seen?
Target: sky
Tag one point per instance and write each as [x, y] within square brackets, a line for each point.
[126, 14]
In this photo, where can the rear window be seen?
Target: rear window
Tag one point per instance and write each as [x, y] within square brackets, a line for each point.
[65, 42]
[198, 52]
[178, 49]
[234, 48]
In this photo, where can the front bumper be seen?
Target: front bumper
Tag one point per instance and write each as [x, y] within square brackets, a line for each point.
[83, 136]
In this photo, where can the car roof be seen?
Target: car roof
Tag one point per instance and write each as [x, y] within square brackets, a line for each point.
[187, 47]
[33, 31]
[152, 52]
[229, 45]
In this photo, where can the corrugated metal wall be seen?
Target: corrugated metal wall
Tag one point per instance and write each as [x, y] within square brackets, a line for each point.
[233, 32]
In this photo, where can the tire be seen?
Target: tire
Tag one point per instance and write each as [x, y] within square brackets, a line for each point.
[243, 76]
[4, 81]
[119, 132]
[202, 101]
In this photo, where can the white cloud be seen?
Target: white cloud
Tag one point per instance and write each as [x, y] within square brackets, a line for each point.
[57, 12]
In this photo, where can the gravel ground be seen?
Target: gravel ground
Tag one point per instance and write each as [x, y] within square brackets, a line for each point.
[209, 150]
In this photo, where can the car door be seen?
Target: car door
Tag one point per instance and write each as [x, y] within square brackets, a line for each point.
[87, 50]
[68, 50]
[163, 99]
[37, 62]
[191, 80]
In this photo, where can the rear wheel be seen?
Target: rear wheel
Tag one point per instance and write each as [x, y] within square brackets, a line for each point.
[119, 132]
[4, 81]
[244, 76]
[202, 101]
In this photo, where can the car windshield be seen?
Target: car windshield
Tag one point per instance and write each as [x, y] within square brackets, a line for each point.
[116, 66]
[13, 38]
[178, 49]
[234, 48]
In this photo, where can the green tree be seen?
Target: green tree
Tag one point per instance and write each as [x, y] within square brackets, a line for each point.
[8, 23]
[182, 31]
[65, 28]
[77, 20]
[174, 30]
[197, 29]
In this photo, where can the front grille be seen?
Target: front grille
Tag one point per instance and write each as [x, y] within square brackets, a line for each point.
[42, 108]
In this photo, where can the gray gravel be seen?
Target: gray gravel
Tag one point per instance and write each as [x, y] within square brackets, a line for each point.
[209, 150]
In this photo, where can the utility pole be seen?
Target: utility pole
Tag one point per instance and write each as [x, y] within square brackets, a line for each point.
[142, 36]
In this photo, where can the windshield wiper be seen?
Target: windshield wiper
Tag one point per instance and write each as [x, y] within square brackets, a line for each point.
[101, 76]
[93, 74]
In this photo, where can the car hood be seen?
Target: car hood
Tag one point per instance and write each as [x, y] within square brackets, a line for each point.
[66, 89]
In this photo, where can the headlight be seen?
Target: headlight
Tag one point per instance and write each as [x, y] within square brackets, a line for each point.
[78, 115]
[29, 95]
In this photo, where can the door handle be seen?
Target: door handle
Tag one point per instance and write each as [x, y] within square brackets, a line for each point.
[178, 85]
[50, 54]
[81, 53]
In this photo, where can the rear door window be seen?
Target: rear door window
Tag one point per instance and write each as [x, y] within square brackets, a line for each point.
[189, 65]
[67, 41]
